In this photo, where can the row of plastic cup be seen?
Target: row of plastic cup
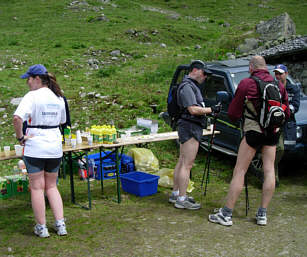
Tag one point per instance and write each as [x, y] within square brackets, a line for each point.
[74, 142]
[18, 150]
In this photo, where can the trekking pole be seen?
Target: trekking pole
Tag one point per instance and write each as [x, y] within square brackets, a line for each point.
[245, 179]
[207, 167]
[246, 196]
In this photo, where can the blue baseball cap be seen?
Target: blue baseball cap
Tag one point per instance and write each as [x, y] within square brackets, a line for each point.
[280, 68]
[37, 69]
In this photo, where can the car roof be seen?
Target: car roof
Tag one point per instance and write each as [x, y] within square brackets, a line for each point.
[233, 66]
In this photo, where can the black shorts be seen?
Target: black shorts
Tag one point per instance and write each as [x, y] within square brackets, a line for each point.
[34, 165]
[256, 140]
[187, 130]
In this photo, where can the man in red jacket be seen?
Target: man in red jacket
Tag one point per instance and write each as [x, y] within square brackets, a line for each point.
[254, 138]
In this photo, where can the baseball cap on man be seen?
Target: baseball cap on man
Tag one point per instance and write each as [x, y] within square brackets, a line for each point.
[280, 68]
[37, 69]
[198, 64]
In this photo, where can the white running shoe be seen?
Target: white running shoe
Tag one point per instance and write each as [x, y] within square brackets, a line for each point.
[41, 230]
[219, 218]
[60, 228]
[261, 219]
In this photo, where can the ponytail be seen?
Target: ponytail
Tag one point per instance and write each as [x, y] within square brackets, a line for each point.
[50, 80]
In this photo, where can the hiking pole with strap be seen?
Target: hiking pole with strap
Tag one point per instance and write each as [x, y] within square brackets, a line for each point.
[207, 167]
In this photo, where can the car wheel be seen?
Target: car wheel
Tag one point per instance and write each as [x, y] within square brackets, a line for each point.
[256, 167]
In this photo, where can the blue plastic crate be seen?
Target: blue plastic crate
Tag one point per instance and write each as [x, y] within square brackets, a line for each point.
[108, 165]
[139, 183]
[108, 169]
[127, 164]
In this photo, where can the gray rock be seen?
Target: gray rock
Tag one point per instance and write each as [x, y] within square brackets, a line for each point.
[102, 17]
[2, 109]
[115, 53]
[174, 16]
[131, 31]
[163, 45]
[15, 101]
[278, 26]
[250, 44]
[92, 61]
[82, 95]
[197, 47]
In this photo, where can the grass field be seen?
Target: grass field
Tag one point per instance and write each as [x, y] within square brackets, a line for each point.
[76, 41]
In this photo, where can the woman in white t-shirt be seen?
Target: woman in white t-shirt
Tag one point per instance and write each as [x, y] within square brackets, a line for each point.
[44, 110]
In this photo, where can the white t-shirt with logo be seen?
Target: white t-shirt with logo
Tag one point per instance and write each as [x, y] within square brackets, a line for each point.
[42, 107]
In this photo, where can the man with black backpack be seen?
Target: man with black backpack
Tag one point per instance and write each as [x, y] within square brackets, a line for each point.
[190, 124]
[263, 107]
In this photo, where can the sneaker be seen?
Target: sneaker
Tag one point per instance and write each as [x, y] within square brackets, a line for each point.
[218, 217]
[261, 219]
[60, 228]
[173, 199]
[41, 230]
[188, 203]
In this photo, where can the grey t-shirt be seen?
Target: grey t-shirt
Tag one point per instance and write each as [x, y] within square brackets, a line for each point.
[189, 94]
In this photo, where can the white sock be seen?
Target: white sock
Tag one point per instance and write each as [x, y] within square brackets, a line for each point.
[175, 193]
[42, 225]
[181, 198]
[60, 222]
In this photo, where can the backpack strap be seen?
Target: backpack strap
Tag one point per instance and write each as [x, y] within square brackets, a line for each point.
[253, 116]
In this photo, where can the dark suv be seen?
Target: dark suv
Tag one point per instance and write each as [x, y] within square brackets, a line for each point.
[226, 77]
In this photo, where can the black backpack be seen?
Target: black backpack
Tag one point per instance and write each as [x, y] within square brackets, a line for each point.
[271, 114]
[173, 108]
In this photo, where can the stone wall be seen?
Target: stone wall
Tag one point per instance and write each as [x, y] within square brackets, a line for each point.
[296, 63]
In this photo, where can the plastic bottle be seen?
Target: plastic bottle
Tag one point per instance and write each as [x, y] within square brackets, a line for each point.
[67, 136]
[79, 138]
[95, 134]
[100, 135]
[114, 132]
[110, 133]
[105, 135]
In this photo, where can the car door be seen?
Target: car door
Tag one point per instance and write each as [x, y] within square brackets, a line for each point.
[229, 138]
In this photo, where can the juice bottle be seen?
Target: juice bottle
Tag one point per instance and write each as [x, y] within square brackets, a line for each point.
[114, 133]
[100, 135]
[105, 134]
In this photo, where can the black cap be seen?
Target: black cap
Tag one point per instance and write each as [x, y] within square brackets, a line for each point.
[198, 64]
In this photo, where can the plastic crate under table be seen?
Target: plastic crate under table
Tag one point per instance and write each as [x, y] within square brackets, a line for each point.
[139, 183]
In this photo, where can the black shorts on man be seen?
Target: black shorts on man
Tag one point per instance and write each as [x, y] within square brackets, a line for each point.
[188, 129]
[256, 139]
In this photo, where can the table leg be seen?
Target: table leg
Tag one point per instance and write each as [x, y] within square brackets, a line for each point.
[88, 184]
[117, 175]
[72, 187]
[100, 170]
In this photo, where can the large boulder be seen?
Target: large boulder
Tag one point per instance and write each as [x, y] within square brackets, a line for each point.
[279, 27]
[249, 45]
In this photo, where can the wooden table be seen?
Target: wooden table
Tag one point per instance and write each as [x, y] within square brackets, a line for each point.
[84, 148]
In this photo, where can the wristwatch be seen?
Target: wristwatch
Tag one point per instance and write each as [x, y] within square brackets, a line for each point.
[21, 138]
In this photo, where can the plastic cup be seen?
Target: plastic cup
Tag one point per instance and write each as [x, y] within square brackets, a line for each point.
[90, 140]
[7, 150]
[73, 142]
[18, 150]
